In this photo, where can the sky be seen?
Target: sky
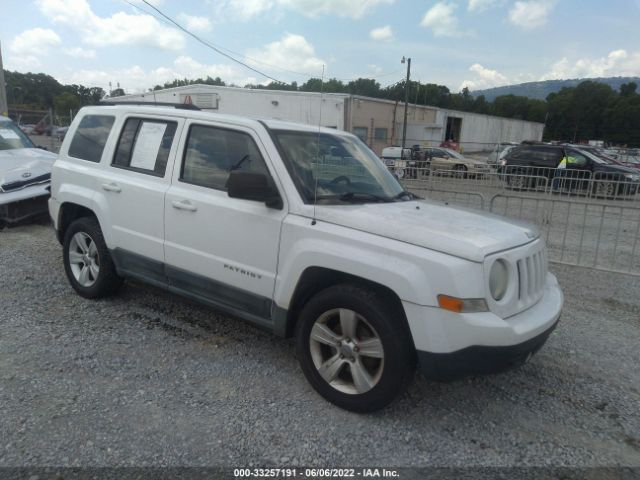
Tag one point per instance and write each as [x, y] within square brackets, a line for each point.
[457, 43]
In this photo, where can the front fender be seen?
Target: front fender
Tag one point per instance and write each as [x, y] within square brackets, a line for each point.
[413, 273]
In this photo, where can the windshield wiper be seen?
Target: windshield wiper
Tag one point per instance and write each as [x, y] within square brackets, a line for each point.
[353, 196]
[404, 193]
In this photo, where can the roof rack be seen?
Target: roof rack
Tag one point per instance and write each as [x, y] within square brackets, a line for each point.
[181, 106]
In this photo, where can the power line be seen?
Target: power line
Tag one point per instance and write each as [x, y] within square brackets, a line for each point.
[213, 47]
[218, 49]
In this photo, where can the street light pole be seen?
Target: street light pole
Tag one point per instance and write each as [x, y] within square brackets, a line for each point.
[406, 102]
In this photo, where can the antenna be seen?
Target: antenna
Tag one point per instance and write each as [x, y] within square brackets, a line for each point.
[315, 189]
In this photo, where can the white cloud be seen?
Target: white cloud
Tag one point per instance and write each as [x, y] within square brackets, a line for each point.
[79, 52]
[616, 63]
[383, 33]
[246, 9]
[441, 20]
[194, 23]
[135, 79]
[531, 14]
[376, 69]
[342, 8]
[482, 5]
[291, 52]
[34, 42]
[119, 29]
[484, 78]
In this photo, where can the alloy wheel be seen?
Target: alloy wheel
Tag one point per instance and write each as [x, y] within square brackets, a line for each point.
[83, 259]
[346, 351]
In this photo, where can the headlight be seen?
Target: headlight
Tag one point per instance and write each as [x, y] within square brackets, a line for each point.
[498, 279]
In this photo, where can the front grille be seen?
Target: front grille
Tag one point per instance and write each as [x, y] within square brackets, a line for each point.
[532, 272]
[19, 184]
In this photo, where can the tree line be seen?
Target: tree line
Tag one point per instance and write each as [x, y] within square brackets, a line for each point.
[589, 111]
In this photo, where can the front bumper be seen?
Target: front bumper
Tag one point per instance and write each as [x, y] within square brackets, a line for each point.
[479, 359]
[22, 204]
[451, 345]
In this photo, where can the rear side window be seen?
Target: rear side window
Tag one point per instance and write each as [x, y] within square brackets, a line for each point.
[550, 156]
[144, 146]
[212, 153]
[90, 137]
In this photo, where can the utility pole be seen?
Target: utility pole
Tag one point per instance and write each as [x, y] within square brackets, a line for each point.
[4, 107]
[406, 101]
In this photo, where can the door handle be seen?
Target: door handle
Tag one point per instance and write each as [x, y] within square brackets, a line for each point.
[184, 205]
[111, 187]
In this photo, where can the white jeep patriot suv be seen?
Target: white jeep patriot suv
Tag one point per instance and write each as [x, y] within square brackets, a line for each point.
[301, 231]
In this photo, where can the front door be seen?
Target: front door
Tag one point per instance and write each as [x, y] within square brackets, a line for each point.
[220, 249]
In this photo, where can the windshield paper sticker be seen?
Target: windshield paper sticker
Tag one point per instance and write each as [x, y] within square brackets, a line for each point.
[8, 134]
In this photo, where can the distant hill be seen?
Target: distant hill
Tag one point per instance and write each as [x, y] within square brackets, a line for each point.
[540, 90]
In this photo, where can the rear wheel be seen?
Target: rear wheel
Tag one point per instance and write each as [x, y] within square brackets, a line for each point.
[460, 171]
[87, 262]
[354, 349]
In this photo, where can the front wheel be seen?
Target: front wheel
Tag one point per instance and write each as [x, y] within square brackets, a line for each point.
[87, 262]
[604, 189]
[354, 348]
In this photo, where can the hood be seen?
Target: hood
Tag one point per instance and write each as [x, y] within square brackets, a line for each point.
[461, 232]
[20, 164]
[614, 168]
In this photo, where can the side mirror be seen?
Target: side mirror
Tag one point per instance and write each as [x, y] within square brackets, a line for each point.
[253, 186]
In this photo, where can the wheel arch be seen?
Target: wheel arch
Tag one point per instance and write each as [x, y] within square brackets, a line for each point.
[68, 213]
[315, 279]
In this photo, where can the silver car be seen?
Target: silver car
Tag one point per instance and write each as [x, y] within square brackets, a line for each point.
[25, 175]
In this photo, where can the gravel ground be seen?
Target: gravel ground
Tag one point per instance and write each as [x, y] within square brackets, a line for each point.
[147, 378]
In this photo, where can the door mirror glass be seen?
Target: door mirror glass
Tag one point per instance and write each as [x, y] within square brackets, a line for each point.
[252, 186]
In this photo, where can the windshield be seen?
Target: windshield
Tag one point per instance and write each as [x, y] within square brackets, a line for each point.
[454, 154]
[341, 168]
[12, 137]
[598, 158]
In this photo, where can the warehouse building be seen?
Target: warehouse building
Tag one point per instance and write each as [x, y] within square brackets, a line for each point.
[376, 121]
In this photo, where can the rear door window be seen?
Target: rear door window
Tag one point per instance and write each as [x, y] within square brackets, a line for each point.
[144, 146]
[91, 137]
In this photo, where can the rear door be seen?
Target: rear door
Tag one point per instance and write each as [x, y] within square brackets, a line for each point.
[220, 249]
[133, 184]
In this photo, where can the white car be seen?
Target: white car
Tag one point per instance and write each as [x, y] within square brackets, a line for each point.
[300, 231]
[25, 173]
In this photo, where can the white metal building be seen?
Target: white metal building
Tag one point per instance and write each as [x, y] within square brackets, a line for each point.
[376, 121]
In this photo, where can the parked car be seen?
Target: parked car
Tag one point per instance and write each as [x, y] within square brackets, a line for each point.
[27, 129]
[454, 163]
[630, 162]
[60, 132]
[42, 128]
[499, 152]
[250, 217]
[400, 161]
[25, 173]
[531, 166]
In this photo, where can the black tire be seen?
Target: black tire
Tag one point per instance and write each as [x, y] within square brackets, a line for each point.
[604, 189]
[394, 371]
[460, 171]
[518, 181]
[107, 281]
